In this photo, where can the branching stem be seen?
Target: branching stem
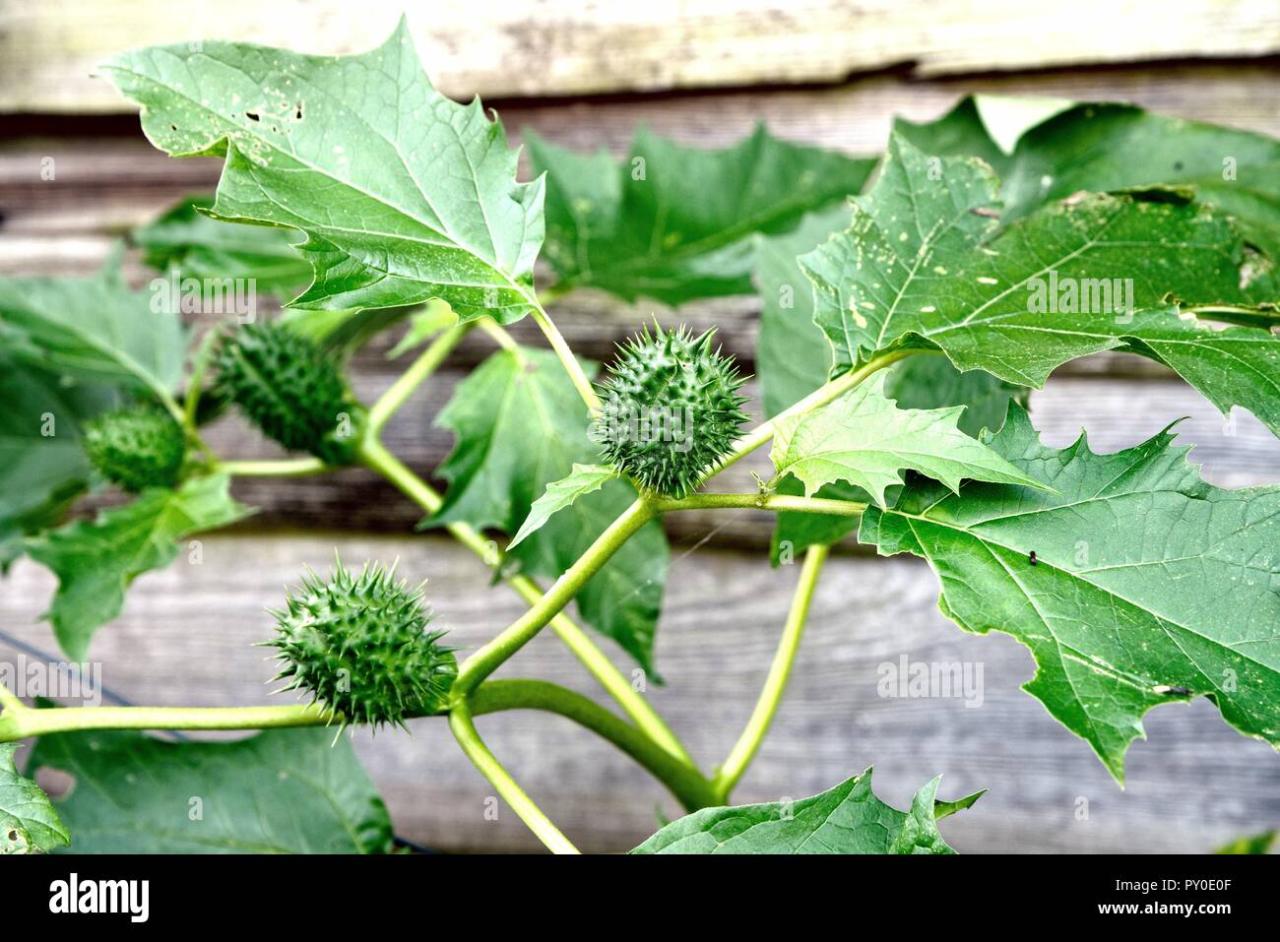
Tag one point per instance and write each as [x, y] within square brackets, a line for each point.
[464, 730]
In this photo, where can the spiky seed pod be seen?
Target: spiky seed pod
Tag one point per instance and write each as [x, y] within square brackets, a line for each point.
[670, 408]
[359, 643]
[136, 447]
[291, 390]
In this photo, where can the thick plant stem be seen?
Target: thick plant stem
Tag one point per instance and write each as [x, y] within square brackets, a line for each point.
[744, 750]
[464, 730]
[426, 364]
[686, 784]
[282, 468]
[776, 502]
[575, 638]
[567, 359]
[18, 722]
[520, 632]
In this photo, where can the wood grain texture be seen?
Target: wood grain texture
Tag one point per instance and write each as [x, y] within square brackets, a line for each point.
[50, 51]
[186, 635]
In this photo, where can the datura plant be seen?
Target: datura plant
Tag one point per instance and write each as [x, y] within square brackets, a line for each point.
[911, 303]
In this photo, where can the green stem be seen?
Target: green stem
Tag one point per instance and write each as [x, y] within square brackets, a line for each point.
[567, 359]
[744, 750]
[776, 502]
[282, 468]
[21, 722]
[520, 632]
[686, 784]
[377, 457]
[464, 730]
[426, 364]
[18, 721]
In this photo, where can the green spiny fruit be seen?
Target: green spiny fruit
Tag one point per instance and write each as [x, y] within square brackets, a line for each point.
[136, 447]
[359, 644]
[671, 408]
[291, 390]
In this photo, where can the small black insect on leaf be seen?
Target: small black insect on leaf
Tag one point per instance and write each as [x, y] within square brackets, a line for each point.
[1032, 558]
[1172, 690]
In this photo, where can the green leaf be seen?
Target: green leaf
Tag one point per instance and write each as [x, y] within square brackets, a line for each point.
[863, 438]
[583, 479]
[1133, 583]
[675, 223]
[28, 823]
[187, 239]
[95, 561]
[793, 358]
[1254, 844]
[521, 426]
[94, 328]
[435, 317]
[289, 791]
[923, 266]
[43, 466]
[848, 819]
[403, 194]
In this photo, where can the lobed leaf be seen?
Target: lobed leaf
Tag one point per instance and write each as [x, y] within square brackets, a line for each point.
[1133, 582]
[290, 791]
[94, 328]
[847, 819]
[922, 265]
[403, 194]
[583, 479]
[864, 439]
[95, 561]
[675, 223]
[187, 240]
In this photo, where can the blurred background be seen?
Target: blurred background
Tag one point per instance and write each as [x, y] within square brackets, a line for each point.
[584, 75]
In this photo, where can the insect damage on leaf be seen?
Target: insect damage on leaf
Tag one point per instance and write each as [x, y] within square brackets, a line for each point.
[360, 645]
[671, 408]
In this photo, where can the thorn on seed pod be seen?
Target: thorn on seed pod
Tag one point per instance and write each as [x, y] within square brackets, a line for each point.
[291, 390]
[136, 447]
[670, 409]
[360, 645]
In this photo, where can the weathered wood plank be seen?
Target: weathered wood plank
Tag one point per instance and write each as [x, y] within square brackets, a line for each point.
[112, 181]
[186, 636]
[50, 52]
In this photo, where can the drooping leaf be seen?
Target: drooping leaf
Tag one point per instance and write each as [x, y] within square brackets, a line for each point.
[520, 426]
[675, 223]
[403, 194]
[288, 791]
[94, 328]
[848, 819]
[188, 240]
[923, 266]
[95, 561]
[863, 438]
[1133, 582]
[793, 358]
[28, 822]
[42, 460]
[583, 479]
